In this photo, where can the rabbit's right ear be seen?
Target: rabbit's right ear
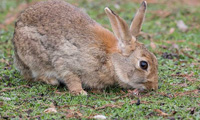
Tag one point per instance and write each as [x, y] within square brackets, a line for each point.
[136, 24]
[121, 31]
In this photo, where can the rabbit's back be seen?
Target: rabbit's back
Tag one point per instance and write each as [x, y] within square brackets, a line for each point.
[54, 38]
[55, 13]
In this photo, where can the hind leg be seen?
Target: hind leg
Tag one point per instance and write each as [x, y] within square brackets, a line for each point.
[27, 73]
[24, 69]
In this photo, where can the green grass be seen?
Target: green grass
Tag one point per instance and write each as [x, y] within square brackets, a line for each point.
[178, 90]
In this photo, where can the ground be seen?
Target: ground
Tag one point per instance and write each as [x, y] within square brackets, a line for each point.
[176, 46]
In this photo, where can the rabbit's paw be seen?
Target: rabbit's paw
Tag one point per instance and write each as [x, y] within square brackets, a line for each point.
[79, 92]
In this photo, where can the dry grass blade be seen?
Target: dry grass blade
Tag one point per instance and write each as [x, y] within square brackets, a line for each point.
[180, 84]
[119, 105]
[166, 94]
[120, 97]
[51, 109]
[161, 113]
[179, 94]
[174, 41]
[8, 89]
[186, 54]
[189, 77]
[59, 93]
[4, 61]
[72, 114]
[186, 93]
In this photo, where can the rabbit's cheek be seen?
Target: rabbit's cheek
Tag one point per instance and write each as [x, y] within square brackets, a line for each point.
[130, 73]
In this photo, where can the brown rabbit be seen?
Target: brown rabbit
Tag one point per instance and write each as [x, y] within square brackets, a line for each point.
[56, 42]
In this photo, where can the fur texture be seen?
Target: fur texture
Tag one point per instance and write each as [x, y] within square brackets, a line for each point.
[56, 42]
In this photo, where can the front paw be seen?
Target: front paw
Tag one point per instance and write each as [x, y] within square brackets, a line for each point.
[78, 92]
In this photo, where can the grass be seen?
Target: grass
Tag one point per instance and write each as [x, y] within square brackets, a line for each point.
[179, 77]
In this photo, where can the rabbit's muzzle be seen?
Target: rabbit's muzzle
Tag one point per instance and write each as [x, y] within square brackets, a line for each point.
[151, 85]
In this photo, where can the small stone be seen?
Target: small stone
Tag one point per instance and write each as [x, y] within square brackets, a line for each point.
[101, 117]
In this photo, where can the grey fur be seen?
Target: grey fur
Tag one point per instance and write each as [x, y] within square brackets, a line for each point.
[55, 41]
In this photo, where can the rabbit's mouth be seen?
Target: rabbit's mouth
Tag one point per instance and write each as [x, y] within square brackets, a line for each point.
[151, 85]
[144, 86]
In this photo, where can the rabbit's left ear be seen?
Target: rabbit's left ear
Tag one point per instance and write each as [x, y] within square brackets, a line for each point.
[121, 31]
[136, 24]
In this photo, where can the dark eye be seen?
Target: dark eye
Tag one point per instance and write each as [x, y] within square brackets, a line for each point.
[144, 65]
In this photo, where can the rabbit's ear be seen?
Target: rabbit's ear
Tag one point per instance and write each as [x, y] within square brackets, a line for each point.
[136, 24]
[121, 31]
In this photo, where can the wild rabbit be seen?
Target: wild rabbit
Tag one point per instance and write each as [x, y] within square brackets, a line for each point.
[56, 42]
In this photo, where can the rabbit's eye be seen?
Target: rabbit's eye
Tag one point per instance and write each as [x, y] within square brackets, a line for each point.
[144, 65]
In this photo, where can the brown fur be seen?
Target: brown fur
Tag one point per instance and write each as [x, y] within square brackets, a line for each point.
[108, 39]
[56, 42]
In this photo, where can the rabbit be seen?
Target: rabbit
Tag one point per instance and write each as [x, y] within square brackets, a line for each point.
[55, 42]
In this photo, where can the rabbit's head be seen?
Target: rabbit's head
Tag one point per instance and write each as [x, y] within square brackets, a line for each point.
[135, 66]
